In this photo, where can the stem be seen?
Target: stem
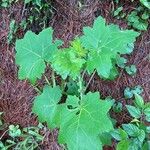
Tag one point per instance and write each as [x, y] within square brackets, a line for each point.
[53, 78]
[83, 73]
[63, 85]
[4, 134]
[90, 80]
[47, 80]
[80, 88]
[36, 88]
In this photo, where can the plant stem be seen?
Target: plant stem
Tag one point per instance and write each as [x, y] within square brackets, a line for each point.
[36, 88]
[47, 80]
[80, 87]
[90, 80]
[53, 78]
[4, 134]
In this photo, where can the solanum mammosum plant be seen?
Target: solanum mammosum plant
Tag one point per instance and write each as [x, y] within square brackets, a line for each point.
[83, 117]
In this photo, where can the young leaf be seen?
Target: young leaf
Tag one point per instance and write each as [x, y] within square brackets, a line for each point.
[32, 52]
[66, 63]
[137, 89]
[85, 123]
[104, 42]
[118, 10]
[128, 93]
[139, 100]
[131, 70]
[46, 105]
[117, 107]
[121, 61]
[134, 112]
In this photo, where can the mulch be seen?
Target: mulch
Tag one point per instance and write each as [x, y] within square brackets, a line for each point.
[16, 96]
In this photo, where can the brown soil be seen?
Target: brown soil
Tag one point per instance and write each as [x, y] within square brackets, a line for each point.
[16, 96]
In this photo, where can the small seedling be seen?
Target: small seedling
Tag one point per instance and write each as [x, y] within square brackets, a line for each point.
[117, 107]
[14, 131]
[135, 135]
[131, 70]
[121, 62]
[129, 92]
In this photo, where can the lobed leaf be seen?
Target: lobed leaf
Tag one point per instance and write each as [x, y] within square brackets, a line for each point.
[46, 105]
[32, 52]
[104, 43]
[85, 123]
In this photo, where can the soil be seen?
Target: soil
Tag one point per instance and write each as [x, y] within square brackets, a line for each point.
[67, 19]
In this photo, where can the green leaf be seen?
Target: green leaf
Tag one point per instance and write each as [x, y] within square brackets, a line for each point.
[128, 93]
[27, 1]
[139, 100]
[131, 129]
[123, 145]
[32, 52]
[66, 63]
[146, 145]
[72, 88]
[147, 114]
[46, 105]
[134, 112]
[145, 3]
[137, 89]
[141, 137]
[147, 111]
[145, 15]
[85, 123]
[131, 70]
[118, 10]
[105, 138]
[119, 134]
[140, 25]
[104, 43]
[14, 131]
[121, 61]
[117, 107]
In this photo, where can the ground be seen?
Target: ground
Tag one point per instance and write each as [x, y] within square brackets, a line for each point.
[67, 19]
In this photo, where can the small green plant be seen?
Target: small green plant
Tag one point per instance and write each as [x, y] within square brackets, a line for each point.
[129, 92]
[138, 21]
[84, 115]
[117, 107]
[131, 70]
[26, 138]
[138, 18]
[135, 135]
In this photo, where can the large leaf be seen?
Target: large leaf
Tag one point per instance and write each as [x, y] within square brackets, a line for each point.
[84, 123]
[32, 52]
[46, 105]
[104, 43]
